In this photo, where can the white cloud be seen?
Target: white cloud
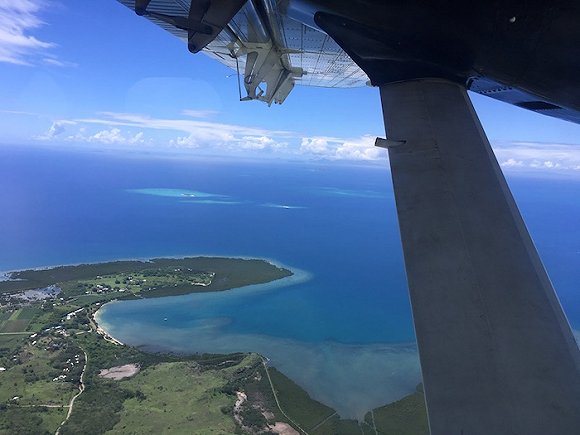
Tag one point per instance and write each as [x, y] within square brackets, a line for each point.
[17, 20]
[107, 136]
[316, 145]
[512, 163]
[60, 63]
[538, 156]
[362, 148]
[115, 136]
[199, 113]
[111, 136]
[198, 133]
[204, 129]
[257, 142]
[333, 148]
[185, 141]
[193, 131]
[214, 137]
[56, 129]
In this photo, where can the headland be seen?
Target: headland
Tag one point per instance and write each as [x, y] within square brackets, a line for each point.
[54, 356]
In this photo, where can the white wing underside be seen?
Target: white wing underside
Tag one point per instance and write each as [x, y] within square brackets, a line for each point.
[271, 51]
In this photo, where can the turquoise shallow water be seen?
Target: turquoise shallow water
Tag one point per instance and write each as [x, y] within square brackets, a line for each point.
[342, 375]
[341, 328]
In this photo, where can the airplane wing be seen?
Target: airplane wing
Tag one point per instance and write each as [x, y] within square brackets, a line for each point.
[525, 100]
[272, 50]
[497, 353]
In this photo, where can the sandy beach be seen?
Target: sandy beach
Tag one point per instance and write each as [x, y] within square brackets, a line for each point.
[99, 330]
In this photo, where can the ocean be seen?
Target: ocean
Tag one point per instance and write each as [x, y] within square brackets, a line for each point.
[340, 327]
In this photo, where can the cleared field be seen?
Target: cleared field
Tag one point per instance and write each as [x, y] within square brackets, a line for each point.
[15, 325]
[176, 398]
[27, 313]
[18, 320]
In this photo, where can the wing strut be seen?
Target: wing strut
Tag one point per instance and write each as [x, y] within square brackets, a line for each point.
[497, 353]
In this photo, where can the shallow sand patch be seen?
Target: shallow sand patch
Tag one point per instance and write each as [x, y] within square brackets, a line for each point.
[120, 372]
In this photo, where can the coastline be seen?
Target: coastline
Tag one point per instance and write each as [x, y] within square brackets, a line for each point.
[339, 375]
[325, 378]
[96, 323]
[228, 273]
[297, 276]
[5, 275]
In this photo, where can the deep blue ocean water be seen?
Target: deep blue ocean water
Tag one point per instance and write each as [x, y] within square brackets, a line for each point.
[340, 327]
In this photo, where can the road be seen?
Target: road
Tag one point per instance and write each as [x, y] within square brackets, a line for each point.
[72, 400]
[276, 398]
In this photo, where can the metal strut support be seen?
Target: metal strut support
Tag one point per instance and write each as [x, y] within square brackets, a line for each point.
[497, 353]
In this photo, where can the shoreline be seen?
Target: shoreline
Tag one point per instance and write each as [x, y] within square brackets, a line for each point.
[5, 275]
[399, 353]
[297, 276]
[396, 357]
[96, 327]
[228, 273]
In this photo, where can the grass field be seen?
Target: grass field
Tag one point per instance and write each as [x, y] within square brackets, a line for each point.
[177, 399]
[18, 320]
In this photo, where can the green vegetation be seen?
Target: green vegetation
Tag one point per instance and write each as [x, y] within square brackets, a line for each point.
[407, 416]
[149, 279]
[33, 375]
[30, 421]
[9, 344]
[170, 393]
[17, 320]
[51, 352]
[42, 374]
[178, 398]
[297, 403]
[166, 276]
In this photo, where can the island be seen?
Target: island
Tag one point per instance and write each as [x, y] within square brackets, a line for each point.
[59, 373]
